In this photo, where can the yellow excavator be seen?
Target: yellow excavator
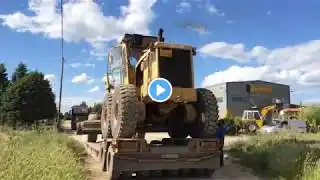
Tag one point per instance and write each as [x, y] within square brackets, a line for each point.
[259, 118]
[268, 114]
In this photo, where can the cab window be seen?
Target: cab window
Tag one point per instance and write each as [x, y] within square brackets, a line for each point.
[250, 115]
[115, 65]
[257, 116]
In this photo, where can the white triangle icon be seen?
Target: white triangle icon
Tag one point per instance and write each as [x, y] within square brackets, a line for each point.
[159, 90]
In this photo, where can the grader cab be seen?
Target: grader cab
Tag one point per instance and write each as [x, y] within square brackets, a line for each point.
[129, 112]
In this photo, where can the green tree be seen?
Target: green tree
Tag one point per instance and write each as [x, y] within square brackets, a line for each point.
[28, 100]
[97, 107]
[4, 82]
[20, 72]
[67, 116]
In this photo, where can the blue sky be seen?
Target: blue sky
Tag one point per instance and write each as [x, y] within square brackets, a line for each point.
[236, 40]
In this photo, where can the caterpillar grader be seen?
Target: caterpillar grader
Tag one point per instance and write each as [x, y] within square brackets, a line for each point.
[128, 112]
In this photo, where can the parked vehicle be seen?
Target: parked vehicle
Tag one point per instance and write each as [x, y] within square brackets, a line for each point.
[281, 125]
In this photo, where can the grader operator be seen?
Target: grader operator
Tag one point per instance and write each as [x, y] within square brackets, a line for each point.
[129, 112]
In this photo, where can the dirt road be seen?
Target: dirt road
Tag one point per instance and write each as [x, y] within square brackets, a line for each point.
[231, 171]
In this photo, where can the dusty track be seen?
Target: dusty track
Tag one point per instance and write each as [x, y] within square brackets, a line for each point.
[230, 171]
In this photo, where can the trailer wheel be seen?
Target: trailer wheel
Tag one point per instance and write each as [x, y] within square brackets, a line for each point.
[208, 115]
[176, 125]
[73, 125]
[92, 137]
[105, 117]
[103, 159]
[124, 111]
[112, 174]
[79, 129]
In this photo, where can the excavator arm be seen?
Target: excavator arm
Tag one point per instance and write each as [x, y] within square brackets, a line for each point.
[271, 111]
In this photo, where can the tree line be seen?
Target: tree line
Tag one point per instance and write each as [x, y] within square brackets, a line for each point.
[26, 98]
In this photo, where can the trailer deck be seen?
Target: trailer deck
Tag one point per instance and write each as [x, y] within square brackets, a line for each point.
[128, 158]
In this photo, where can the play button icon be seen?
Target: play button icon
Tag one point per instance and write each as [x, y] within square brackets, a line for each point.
[160, 90]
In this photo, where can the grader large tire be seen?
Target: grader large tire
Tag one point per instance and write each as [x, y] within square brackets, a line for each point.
[124, 112]
[208, 115]
[105, 117]
[176, 125]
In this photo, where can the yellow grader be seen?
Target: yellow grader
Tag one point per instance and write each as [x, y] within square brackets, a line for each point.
[128, 112]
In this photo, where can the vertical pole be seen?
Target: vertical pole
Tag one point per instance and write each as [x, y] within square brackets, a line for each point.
[62, 67]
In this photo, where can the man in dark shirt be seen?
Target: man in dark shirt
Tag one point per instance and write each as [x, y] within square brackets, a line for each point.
[221, 131]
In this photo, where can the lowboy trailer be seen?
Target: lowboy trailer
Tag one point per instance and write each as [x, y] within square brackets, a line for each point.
[127, 158]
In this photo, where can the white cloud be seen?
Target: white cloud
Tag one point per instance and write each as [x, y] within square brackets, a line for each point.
[303, 56]
[90, 81]
[51, 78]
[78, 64]
[94, 89]
[230, 21]
[199, 28]
[83, 20]
[213, 10]
[226, 51]
[296, 65]
[80, 78]
[247, 73]
[183, 7]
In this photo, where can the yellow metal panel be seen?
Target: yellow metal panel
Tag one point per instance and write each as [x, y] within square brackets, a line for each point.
[165, 52]
[144, 90]
[125, 80]
[260, 89]
[259, 123]
[155, 71]
[183, 94]
[172, 46]
[145, 75]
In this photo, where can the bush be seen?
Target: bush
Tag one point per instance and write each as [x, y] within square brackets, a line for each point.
[33, 155]
[312, 116]
[282, 156]
[236, 124]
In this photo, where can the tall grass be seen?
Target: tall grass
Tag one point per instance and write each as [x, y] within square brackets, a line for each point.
[312, 116]
[39, 154]
[281, 156]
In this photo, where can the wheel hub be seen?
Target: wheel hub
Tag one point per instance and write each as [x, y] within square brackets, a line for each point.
[252, 127]
[203, 118]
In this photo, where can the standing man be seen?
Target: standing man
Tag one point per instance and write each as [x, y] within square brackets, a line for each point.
[221, 131]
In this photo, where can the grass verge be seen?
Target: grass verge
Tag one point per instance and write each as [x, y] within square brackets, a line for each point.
[281, 156]
[40, 154]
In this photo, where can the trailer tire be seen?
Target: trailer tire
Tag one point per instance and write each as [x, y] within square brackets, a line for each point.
[73, 125]
[112, 174]
[92, 138]
[208, 115]
[105, 117]
[124, 111]
[79, 129]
